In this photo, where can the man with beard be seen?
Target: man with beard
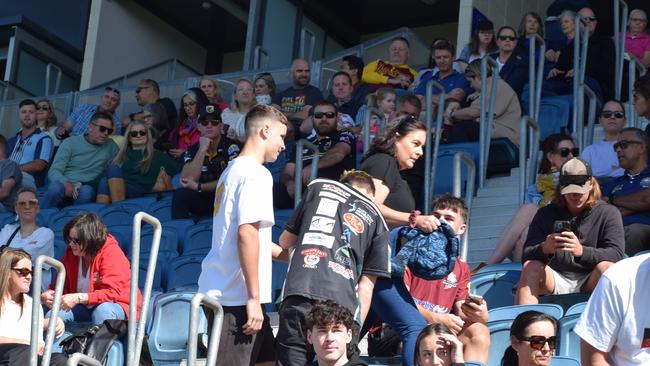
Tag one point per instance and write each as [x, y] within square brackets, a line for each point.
[336, 154]
[297, 100]
[31, 148]
[78, 122]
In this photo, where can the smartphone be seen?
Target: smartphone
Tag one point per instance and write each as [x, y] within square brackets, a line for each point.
[477, 299]
[560, 226]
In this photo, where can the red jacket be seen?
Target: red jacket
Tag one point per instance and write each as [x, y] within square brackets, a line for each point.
[110, 275]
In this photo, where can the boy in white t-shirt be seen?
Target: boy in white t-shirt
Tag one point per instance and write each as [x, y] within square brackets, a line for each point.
[237, 270]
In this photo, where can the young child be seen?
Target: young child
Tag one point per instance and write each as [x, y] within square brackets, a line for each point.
[237, 270]
[437, 345]
[341, 246]
[329, 331]
[384, 100]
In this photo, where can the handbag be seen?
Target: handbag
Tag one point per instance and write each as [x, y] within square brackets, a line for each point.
[96, 340]
[163, 182]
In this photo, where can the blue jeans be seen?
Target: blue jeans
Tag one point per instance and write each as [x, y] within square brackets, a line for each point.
[114, 171]
[96, 315]
[55, 195]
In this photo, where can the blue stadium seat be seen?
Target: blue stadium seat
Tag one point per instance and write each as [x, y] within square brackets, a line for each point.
[115, 356]
[84, 207]
[576, 309]
[161, 210]
[443, 181]
[183, 273]
[123, 234]
[157, 275]
[141, 203]
[499, 340]
[118, 214]
[495, 283]
[59, 219]
[181, 227]
[565, 361]
[511, 312]
[569, 340]
[59, 248]
[168, 242]
[44, 216]
[7, 218]
[197, 240]
[169, 328]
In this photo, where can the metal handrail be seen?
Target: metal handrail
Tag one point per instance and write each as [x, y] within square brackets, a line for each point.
[57, 84]
[431, 161]
[135, 339]
[591, 116]
[634, 66]
[463, 157]
[37, 327]
[580, 44]
[487, 115]
[527, 165]
[619, 44]
[257, 56]
[366, 126]
[81, 359]
[215, 333]
[304, 33]
[535, 80]
[297, 176]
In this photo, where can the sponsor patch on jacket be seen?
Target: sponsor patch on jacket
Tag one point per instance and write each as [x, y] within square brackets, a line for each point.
[321, 223]
[327, 207]
[353, 222]
[312, 257]
[341, 270]
[318, 239]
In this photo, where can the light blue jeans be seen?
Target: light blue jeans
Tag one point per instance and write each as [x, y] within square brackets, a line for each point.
[96, 315]
[56, 194]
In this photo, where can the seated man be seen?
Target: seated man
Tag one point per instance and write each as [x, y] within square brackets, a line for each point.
[204, 163]
[601, 155]
[80, 163]
[632, 151]
[147, 92]
[336, 154]
[637, 41]
[393, 73]
[10, 180]
[344, 98]
[572, 241]
[353, 66]
[79, 120]
[341, 247]
[31, 148]
[330, 328]
[409, 104]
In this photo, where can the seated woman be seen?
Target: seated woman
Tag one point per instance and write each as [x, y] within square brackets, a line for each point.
[46, 120]
[601, 155]
[136, 167]
[98, 274]
[265, 88]
[26, 234]
[533, 339]
[243, 100]
[186, 133]
[482, 43]
[212, 91]
[16, 311]
[556, 149]
[572, 241]
[437, 345]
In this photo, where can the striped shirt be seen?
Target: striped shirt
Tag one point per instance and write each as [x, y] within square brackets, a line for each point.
[80, 119]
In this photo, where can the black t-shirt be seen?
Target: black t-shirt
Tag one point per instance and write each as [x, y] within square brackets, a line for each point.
[341, 235]
[292, 100]
[324, 143]
[384, 167]
[214, 165]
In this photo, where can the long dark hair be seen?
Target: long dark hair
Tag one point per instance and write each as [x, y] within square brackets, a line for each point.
[518, 330]
[549, 145]
[91, 233]
[435, 328]
[385, 142]
[474, 44]
[197, 95]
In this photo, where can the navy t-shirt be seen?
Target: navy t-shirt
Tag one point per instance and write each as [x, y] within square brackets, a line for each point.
[625, 185]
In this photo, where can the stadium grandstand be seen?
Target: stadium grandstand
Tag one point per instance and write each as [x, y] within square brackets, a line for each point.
[519, 126]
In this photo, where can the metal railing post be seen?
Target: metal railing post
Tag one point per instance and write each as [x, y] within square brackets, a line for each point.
[591, 116]
[297, 176]
[57, 84]
[307, 34]
[463, 157]
[81, 359]
[431, 161]
[620, 26]
[257, 58]
[487, 115]
[535, 77]
[634, 66]
[215, 333]
[136, 334]
[366, 126]
[580, 43]
[527, 165]
[37, 326]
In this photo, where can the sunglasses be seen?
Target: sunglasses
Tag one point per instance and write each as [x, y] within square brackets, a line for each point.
[537, 342]
[43, 107]
[23, 272]
[138, 133]
[324, 114]
[141, 88]
[578, 180]
[623, 144]
[29, 203]
[507, 38]
[564, 151]
[214, 122]
[610, 114]
[110, 89]
[590, 19]
[104, 129]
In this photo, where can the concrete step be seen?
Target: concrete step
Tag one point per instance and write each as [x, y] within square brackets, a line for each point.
[478, 255]
[494, 201]
[500, 191]
[502, 181]
[496, 219]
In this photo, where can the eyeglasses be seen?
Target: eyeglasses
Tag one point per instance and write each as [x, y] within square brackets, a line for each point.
[43, 107]
[27, 203]
[72, 241]
[141, 88]
[590, 19]
[638, 20]
[245, 90]
[324, 114]
[214, 122]
[23, 272]
[537, 342]
[111, 89]
[564, 151]
[507, 38]
[623, 144]
[138, 133]
[610, 114]
[189, 104]
[104, 129]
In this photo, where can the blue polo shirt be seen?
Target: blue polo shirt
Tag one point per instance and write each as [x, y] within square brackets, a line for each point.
[36, 146]
[453, 81]
[627, 184]
[80, 119]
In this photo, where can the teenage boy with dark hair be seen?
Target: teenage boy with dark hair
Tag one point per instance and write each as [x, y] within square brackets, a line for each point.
[237, 270]
[341, 246]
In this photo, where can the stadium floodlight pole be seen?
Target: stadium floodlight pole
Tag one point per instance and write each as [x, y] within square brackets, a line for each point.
[535, 77]
[431, 160]
[487, 116]
[136, 331]
[633, 67]
[527, 164]
[366, 126]
[195, 307]
[463, 157]
[297, 176]
[37, 326]
[620, 26]
[580, 44]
